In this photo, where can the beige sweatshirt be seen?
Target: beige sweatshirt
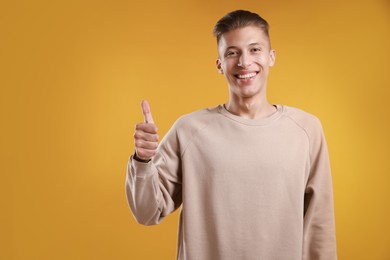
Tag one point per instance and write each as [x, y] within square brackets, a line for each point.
[249, 189]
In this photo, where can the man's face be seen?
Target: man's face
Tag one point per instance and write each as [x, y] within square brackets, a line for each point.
[244, 58]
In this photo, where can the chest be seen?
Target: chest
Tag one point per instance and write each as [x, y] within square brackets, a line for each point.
[254, 155]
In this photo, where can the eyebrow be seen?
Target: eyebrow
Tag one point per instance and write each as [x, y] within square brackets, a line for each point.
[251, 44]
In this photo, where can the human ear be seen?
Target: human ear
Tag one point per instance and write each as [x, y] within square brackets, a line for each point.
[219, 66]
[272, 57]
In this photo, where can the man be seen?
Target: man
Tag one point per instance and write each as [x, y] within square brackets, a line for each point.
[253, 178]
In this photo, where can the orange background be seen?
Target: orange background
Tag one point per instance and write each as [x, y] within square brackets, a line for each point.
[72, 77]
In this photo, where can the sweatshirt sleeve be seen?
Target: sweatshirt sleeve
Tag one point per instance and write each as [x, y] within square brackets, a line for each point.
[153, 189]
[319, 241]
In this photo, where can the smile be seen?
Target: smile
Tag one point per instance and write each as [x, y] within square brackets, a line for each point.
[246, 76]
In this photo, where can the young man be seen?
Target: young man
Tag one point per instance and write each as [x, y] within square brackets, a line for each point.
[253, 178]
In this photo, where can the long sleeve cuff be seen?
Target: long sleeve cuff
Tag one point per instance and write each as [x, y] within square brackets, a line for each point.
[140, 169]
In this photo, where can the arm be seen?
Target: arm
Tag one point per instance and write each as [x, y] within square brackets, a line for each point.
[319, 240]
[153, 178]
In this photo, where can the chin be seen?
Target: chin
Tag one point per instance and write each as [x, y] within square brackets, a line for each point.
[248, 92]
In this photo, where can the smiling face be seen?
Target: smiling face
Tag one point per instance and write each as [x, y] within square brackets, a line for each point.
[245, 56]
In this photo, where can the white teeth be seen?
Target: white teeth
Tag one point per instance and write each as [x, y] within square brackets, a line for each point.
[247, 76]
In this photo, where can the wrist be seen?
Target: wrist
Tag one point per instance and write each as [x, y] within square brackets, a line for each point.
[139, 159]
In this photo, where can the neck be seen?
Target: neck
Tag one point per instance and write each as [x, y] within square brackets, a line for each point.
[250, 108]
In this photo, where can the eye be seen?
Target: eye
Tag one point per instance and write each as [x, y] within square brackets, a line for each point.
[231, 53]
[256, 50]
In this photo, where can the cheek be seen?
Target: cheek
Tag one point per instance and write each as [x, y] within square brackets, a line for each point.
[264, 61]
[229, 76]
[230, 65]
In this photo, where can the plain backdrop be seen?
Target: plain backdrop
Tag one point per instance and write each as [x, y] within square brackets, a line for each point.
[73, 73]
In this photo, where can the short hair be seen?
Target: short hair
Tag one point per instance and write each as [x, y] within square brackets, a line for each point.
[239, 19]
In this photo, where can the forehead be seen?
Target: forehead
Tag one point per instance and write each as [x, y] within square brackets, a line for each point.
[243, 37]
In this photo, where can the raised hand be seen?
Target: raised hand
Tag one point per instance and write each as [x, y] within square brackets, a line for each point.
[145, 136]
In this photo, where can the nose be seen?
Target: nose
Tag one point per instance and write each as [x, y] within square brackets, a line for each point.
[244, 60]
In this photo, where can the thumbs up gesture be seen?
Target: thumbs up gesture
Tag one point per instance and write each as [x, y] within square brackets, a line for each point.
[145, 136]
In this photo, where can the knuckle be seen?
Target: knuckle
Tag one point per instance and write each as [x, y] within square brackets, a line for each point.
[139, 126]
[141, 154]
[153, 129]
[137, 135]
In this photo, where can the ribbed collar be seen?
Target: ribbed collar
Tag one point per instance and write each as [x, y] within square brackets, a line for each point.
[254, 122]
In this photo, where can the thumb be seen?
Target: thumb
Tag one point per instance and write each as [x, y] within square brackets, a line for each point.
[146, 112]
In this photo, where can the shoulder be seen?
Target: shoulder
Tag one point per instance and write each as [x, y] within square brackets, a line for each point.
[201, 114]
[195, 121]
[190, 125]
[308, 122]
